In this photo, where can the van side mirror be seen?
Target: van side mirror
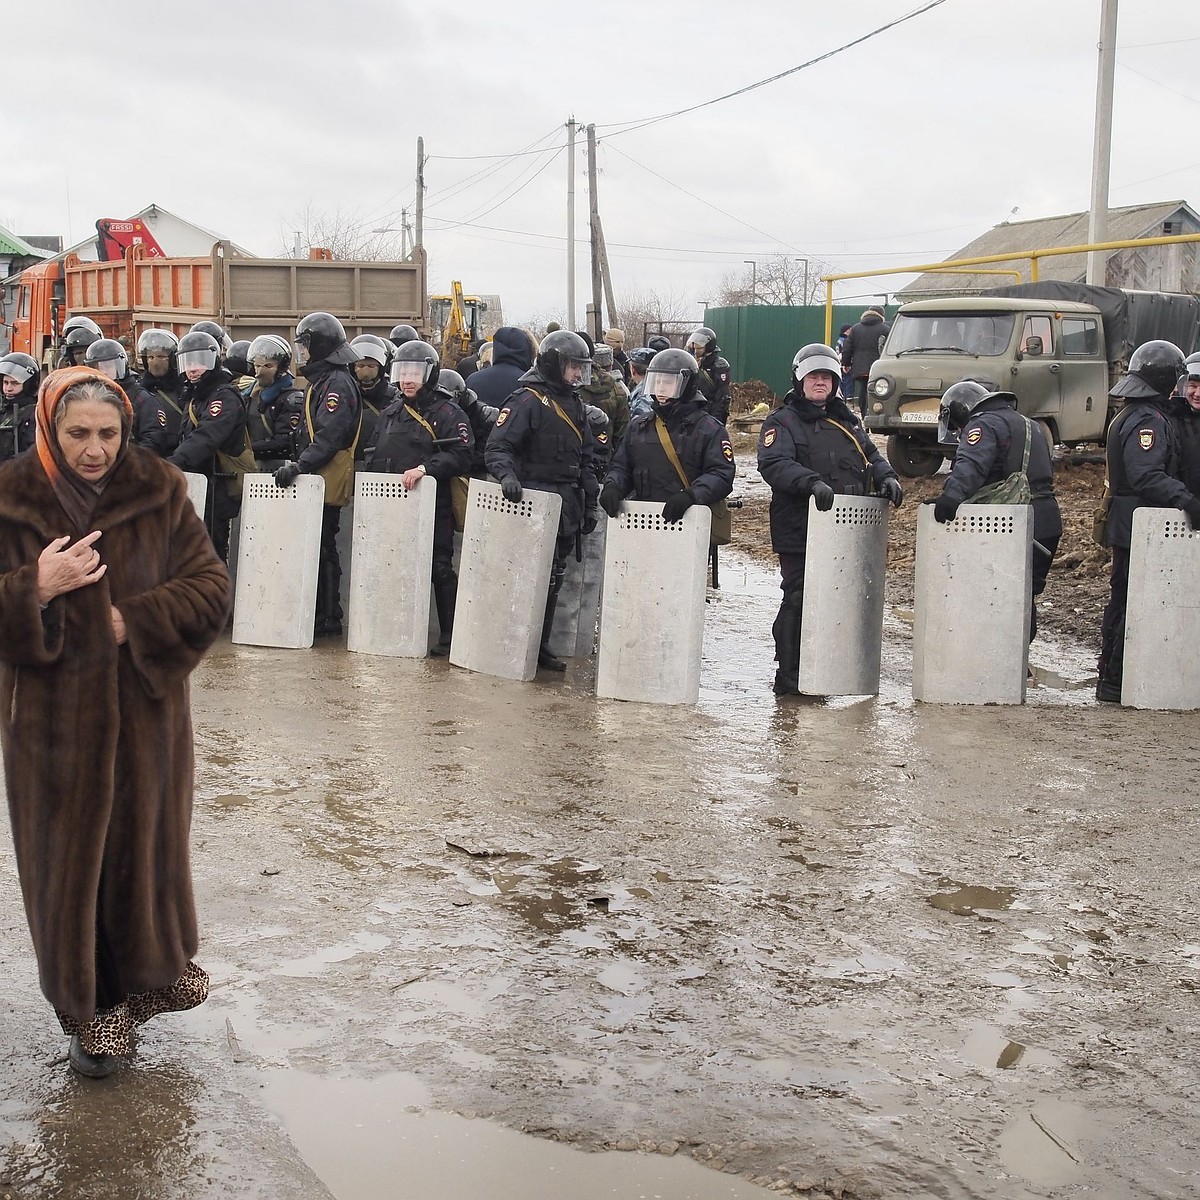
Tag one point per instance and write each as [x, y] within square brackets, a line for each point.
[1033, 345]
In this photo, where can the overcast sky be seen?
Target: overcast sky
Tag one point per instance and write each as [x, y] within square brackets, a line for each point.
[239, 116]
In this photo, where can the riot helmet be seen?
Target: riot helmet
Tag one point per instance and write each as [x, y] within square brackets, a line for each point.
[816, 356]
[415, 363]
[560, 350]
[403, 333]
[238, 358]
[701, 343]
[657, 343]
[76, 342]
[198, 351]
[365, 339]
[23, 371]
[671, 376]
[373, 359]
[156, 344]
[454, 385]
[270, 347]
[959, 401]
[81, 322]
[1192, 366]
[322, 337]
[1189, 383]
[1154, 370]
[223, 340]
[108, 356]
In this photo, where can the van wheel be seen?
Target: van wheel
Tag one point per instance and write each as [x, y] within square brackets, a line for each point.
[913, 458]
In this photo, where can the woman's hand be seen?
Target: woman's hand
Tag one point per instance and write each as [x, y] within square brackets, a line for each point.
[63, 568]
[118, 624]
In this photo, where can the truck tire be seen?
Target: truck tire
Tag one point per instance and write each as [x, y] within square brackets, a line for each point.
[913, 458]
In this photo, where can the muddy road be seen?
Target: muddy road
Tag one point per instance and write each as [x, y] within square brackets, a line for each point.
[850, 948]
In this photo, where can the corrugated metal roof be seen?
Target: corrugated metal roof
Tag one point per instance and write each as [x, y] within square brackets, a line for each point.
[18, 247]
[1071, 229]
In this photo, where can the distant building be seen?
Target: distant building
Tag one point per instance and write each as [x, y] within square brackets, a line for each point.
[1155, 268]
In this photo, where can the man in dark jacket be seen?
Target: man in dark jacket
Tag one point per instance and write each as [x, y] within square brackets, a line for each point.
[861, 350]
[715, 373]
[274, 404]
[374, 387]
[330, 425]
[214, 439]
[812, 445]
[423, 432]
[21, 377]
[542, 441]
[1185, 412]
[992, 441]
[512, 356]
[1144, 468]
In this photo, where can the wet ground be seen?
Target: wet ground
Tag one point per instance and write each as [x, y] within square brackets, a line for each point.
[856, 948]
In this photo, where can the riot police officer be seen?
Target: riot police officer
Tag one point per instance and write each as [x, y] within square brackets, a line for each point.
[328, 433]
[992, 442]
[18, 416]
[76, 339]
[423, 432]
[215, 441]
[217, 331]
[1185, 412]
[714, 372]
[374, 387]
[699, 443]
[1143, 454]
[812, 445]
[542, 441]
[156, 351]
[151, 427]
[481, 416]
[273, 401]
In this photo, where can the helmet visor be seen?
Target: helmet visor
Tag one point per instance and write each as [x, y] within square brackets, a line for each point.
[410, 371]
[190, 359]
[577, 372]
[114, 368]
[664, 385]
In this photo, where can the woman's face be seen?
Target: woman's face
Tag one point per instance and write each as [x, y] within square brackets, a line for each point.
[90, 436]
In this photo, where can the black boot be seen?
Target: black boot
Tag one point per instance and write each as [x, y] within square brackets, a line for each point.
[94, 1066]
[787, 651]
[445, 592]
[329, 603]
[546, 660]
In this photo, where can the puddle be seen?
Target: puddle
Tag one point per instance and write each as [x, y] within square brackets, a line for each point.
[362, 1137]
[315, 964]
[968, 899]
[988, 1047]
[1046, 1144]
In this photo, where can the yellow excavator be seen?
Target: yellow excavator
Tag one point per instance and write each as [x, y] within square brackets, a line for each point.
[456, 321]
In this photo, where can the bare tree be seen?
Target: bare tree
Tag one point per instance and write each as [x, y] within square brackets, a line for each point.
[780, 279]
[643, 313]
[345, 234]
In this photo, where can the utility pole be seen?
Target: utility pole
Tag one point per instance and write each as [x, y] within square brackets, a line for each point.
[419, 239]
[404, 233]
[1097, 260]
[571, 125]
[753, 279]
[595, 230]
[605, 277]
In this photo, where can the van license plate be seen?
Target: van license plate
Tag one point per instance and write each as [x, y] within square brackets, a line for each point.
[918, 418]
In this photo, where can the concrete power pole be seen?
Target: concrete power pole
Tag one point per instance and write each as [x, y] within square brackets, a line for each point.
[419, 232]
[571, 126]
[594, 312]
[1102, 145]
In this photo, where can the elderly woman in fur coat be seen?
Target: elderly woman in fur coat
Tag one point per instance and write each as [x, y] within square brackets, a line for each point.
[110, 593]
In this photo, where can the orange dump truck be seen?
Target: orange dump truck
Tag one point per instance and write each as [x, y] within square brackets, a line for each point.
[248, 296]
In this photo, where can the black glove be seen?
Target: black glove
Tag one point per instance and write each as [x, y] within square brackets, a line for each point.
[611, 499]
[590, 521]
[944, 509]
[890, 489]
[510, 485]
[822, 493]
[1192, 508]
[286, 475]
[677, 505]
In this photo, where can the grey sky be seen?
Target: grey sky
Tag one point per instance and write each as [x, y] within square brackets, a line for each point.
[238, 116]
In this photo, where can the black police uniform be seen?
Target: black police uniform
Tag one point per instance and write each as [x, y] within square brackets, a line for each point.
[375, 399]
[24, 418]
[275, 413]
[640, 467]
[802, 444]
[214, 421]
[152, 425]
[430, 431]
[1187, 425]
[168, 391]
[713, 382]
[542, 438]
[483, 420]
[333, 409]
[991, 447]
[1144, 467]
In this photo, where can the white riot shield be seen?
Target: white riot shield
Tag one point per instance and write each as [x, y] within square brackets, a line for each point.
[197, 486]
[275, 598]
[1162, 617]
[971, 620]
[504, 578]
[593, 578]
[841, 639]
[652, 605]
[390, 563]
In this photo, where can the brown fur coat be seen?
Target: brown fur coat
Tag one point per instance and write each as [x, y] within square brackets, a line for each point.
[97, 737]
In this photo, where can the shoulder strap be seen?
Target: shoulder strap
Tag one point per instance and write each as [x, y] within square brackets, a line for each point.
[558, 411]
[312, 433]
[416, 416]
[857, 446]
[1028, 442]
[166, 396]
[669, 449]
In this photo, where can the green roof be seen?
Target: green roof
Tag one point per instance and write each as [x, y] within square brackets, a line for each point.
[18, 247]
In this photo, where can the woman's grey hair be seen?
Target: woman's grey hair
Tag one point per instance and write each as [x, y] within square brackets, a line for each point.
[90, 389]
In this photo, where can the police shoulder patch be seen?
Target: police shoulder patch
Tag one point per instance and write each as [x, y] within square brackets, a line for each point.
[332, 402]
[162, 418]
[294, 421]
[602, 438]
[216, 408]
[974, 435]
[1146, 439]
[503, 415]
[727, 449]
[463, 431]
[768, 438]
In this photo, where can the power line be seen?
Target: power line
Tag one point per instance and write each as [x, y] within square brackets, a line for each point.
[629, 126]
[518, 189]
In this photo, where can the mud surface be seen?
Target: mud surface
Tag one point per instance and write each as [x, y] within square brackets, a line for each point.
[849, 948]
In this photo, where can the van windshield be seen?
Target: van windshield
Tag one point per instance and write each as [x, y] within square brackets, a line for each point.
[982, 334]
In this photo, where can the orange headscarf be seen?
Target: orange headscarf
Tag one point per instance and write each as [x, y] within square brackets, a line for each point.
[76, 495]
